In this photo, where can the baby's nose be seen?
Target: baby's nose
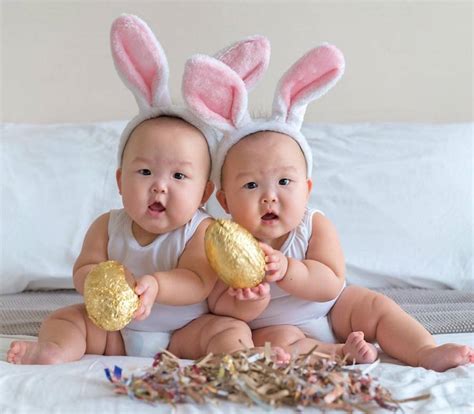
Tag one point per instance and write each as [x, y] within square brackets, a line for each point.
[158, 188]
[269, 199]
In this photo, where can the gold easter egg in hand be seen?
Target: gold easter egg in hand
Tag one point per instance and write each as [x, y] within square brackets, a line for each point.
[109, 299]
[234, 254]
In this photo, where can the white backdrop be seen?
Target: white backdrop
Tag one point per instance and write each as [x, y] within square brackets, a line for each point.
[406, 60]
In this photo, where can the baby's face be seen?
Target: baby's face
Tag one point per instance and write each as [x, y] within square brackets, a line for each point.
[264, 185]
[164, 176]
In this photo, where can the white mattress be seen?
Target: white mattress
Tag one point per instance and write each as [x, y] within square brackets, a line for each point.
[81, 387]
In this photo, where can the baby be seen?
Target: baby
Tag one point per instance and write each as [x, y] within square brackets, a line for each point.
[263, 168]
[163, 178]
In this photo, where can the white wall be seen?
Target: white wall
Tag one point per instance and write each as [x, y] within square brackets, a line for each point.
[405, 60]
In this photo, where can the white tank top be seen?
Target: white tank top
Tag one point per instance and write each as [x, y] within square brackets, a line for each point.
[160, 255]
[283, 308]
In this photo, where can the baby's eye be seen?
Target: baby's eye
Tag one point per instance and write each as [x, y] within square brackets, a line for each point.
[284, 181]
[144, 171]
[179, 176]
[250, 185]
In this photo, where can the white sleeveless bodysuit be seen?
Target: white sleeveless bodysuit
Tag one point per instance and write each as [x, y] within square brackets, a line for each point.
[285, 309]
[146, 338]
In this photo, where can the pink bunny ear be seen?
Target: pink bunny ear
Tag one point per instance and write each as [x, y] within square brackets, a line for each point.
[140, 61]
[307, 80]
[248, 58]
[214, 92]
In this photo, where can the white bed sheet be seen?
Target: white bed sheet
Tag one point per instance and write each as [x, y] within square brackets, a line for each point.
[81, 387]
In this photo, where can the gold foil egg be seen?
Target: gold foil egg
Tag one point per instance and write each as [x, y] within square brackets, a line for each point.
[234, 254]
[109, 299]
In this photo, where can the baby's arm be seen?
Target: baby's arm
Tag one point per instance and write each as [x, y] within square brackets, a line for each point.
[192, 280]
[245, 304]
[94, 251]
[321, 275]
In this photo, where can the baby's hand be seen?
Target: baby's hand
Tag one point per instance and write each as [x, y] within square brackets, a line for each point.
[258, 292]
[277, 263]
[146, 289]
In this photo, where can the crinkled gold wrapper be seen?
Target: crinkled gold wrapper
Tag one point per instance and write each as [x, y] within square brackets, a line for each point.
[109, 299]
[234, 254]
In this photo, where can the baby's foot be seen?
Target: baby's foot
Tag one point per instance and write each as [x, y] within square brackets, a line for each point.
[440, 358]
[277, 354]
[280, 356]
[358, 350]
[27, 352]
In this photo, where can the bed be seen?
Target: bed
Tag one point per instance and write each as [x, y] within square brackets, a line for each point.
[399, 194]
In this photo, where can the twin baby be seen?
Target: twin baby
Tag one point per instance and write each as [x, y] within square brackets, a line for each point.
[262, 171]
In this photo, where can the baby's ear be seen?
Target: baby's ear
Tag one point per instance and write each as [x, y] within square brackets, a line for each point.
[221, 198]
[310, 185]
[118, 177]
[207, 192]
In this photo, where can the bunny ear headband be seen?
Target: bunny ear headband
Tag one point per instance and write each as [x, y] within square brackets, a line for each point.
[142, 65]
[218, 96]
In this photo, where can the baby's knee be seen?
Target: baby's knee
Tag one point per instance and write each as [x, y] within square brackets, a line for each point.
[74, 313]
[362, 298]
[283, 335]
[289, 336]
[230, 326]
[381, 304]
[225, 334]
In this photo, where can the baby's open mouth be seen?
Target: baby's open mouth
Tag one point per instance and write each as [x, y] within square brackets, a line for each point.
[269, 216]
[158, 207]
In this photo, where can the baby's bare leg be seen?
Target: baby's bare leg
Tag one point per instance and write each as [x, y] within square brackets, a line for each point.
[294, 341]
[210, 333]
[398, 334]
[66, 335]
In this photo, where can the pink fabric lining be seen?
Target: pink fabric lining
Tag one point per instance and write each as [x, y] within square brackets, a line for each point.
[316, 84]
[137, 55]
[214, 91]
[245, 72]
[249, 59]
[313, 71]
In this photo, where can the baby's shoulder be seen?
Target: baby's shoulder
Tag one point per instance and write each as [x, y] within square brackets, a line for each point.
[97, 234]
[201, 219]
[202, 226]
[321, 226]
[101, 222]
[311, 220]
[317, 216]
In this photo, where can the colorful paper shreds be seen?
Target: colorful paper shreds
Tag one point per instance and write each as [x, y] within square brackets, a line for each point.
[251, 377]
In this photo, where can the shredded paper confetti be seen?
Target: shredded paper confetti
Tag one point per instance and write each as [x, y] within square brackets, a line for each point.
[252, 377]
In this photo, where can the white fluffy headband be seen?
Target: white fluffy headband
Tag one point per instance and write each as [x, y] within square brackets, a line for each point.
[218, 96]
[142, 65]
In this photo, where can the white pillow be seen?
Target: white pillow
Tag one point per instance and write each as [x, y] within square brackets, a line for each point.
[400, 196]
[55, 179]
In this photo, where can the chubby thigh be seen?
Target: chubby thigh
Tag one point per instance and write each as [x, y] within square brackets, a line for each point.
[210, 333]
[71, 328]
[358, 309]
[100, 341]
